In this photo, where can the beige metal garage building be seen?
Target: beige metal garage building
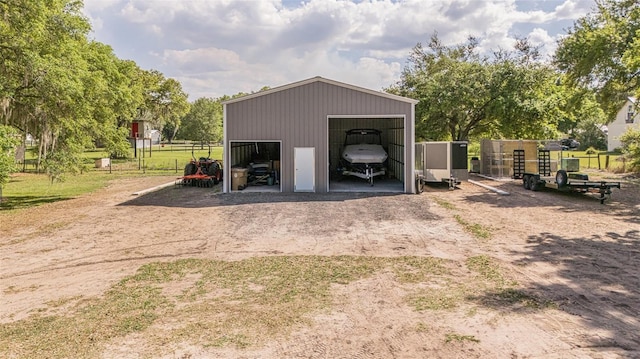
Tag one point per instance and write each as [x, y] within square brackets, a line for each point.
[292, 136]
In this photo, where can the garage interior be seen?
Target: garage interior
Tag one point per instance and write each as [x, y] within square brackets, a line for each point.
[255, 166]
[393, 142]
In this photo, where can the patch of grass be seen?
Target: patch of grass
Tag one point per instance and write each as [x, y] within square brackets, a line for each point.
[500, 291]
[516, 297]
[26, 190]
[489, 270]
[123, 310]
[445, 204]
[418, 269]
[13, 290]
[477, 230]
[450, 291]
[210, 303]
[422, 328]
[62, 301]
[451, 337]
[438, 299]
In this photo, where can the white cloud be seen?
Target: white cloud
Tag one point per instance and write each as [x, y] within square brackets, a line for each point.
[93, 6]
[573, 9]
[202, 59]
[217, 47]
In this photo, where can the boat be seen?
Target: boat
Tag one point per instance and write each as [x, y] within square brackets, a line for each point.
[363, 155]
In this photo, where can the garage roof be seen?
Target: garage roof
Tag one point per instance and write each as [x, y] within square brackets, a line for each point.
[321, 79]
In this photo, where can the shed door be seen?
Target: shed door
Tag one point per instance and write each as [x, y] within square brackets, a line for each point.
[134, 129]
[304, 163]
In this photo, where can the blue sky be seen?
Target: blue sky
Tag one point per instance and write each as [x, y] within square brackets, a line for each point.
[222, 47]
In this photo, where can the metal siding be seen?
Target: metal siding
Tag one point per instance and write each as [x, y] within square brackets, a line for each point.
[298, 118]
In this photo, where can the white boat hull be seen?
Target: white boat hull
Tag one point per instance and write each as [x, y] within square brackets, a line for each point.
[365, 154]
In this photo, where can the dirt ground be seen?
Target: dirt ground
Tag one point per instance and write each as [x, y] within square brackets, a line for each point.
[568, 249]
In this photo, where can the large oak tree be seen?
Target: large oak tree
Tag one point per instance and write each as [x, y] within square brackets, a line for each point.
[466, 95]
[69, 91]
[602, 52]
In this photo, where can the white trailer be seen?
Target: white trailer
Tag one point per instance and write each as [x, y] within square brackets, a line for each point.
[441, 161]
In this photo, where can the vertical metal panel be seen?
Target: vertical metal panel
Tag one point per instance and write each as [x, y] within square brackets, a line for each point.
[298, 117]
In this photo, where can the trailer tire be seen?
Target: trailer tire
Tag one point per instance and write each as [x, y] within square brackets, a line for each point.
[562, 178]
[419, 186]
[533, 183]
[525, 182]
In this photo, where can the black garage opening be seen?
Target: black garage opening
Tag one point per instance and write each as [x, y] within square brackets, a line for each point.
[255, 166]
[392, 133]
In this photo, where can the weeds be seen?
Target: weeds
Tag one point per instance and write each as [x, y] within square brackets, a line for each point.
[211, 303]
[450, 337]
[445, 204]
[477, 230]
[488, 269]
[216, 303]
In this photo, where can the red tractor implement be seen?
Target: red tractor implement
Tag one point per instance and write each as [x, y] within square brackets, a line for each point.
[201, 172]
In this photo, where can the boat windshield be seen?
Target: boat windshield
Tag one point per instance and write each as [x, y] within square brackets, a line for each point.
[362, 136]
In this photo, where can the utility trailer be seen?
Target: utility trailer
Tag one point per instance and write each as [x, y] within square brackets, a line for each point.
[441, 162]
[563, 180]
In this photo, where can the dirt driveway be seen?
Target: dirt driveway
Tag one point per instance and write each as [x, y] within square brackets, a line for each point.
[577, 257]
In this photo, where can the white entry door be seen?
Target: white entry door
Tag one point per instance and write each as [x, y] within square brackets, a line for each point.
[304, 159]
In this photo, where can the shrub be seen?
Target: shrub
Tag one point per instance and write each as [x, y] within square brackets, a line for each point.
[631, 148]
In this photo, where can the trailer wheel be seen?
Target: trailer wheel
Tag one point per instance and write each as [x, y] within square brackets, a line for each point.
[525, 182]
[533, 183]
[419, 186]
[561, 178]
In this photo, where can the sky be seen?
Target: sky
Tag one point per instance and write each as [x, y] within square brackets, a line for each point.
[224, 47]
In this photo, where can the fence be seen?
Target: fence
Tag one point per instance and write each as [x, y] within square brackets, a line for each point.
[169, 158]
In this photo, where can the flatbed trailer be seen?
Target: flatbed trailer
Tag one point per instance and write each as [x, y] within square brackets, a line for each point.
[562, 180]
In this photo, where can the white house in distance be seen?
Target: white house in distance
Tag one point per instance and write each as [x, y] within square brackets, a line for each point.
[627, 117]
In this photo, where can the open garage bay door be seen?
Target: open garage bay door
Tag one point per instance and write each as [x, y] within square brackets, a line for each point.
[254, 166]
[356, 177]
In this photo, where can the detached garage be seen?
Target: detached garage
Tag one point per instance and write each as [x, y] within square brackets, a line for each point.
[291, 138]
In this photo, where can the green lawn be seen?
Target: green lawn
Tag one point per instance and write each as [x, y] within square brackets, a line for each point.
[170, 158]
[26, 190]
[593, 161]
[29, 189]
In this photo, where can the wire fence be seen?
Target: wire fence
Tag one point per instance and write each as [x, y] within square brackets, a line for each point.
[160, 158]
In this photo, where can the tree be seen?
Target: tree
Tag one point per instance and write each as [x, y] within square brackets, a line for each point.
[464, 95]
[602, 52]
[630, 141]
[203, 122]
[43, 93]
[9, 139]
[587, 120]
[164, 101]
[70, 92]
[114, 96]
[590, 134]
